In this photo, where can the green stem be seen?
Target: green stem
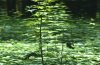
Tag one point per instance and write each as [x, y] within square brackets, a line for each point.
[42, 61]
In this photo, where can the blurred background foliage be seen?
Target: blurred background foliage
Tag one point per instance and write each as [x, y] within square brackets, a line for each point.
[53, 23]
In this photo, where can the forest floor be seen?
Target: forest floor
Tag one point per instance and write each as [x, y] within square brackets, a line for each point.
[13, 52]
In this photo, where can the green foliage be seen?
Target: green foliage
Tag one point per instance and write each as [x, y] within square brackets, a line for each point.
[15, 52]
[19, 37]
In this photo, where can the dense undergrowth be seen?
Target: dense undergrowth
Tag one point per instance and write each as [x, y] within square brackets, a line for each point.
[19, 37]
[22, 38]
[13, 53]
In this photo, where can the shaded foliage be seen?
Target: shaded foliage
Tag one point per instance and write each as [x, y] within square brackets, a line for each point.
[22, 38]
